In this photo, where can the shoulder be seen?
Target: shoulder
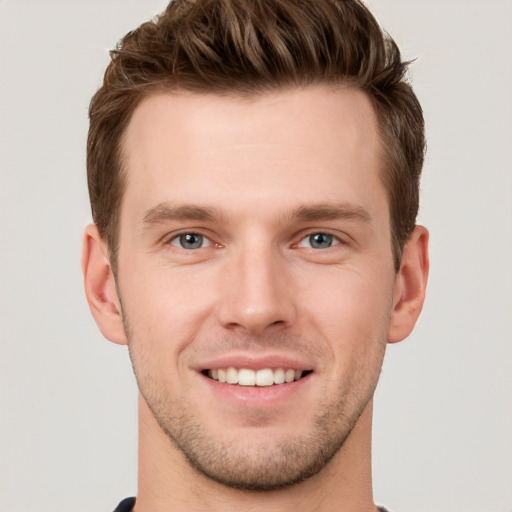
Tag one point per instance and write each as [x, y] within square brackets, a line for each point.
[127, 505]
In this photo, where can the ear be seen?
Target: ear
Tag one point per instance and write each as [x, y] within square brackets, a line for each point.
[100, 286]
[410, 286]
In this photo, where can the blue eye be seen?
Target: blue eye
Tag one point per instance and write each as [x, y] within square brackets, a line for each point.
[319, 241]
[190, 241]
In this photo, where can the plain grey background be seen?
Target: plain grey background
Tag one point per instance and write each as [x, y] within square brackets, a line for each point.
[443, 418]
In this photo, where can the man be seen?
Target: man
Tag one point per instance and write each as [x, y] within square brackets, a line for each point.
[253, 171]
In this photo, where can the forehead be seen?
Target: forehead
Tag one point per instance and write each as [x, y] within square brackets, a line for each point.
[280, 149]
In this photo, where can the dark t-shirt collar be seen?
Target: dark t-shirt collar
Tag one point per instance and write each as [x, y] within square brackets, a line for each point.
[127, 506]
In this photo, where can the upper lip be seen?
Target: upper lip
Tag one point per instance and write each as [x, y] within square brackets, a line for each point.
[253, 362]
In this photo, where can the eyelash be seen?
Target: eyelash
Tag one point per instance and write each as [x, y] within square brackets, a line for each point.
[177, 240]
[334, 240]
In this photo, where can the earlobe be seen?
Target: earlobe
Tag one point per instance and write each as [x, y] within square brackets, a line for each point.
[100, 286]
[410, 286]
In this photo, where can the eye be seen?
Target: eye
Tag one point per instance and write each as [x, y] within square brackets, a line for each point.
[190, 241]
[319, 241]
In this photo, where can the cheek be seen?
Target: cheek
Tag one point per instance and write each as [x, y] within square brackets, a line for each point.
[166, 307]
[346, 295]
[354, 324]
[349, 310]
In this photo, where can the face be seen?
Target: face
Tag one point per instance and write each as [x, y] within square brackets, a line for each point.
[256, 275]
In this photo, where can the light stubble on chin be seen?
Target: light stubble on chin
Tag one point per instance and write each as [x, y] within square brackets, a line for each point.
[258, 465]
[252, 466]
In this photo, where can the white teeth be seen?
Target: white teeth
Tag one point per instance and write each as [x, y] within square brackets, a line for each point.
[231, 376]
[265, 377]
[247, 377]
[279, 376]
[289, 376]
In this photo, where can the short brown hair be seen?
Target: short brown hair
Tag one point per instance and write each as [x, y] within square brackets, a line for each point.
[251, 47]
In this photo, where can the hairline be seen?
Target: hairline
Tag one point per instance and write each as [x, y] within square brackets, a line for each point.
[384, 156]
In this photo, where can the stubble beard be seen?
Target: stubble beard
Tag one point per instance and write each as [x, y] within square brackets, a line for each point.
[257, 466]
[254, 466]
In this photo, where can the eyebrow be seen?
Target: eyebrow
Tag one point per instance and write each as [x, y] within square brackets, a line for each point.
[344, 211]
[165, 212]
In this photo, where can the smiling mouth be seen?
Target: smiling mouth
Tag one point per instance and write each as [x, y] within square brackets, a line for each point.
[262, 377]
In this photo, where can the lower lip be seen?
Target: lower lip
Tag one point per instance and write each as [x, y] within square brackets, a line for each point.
[256, 396]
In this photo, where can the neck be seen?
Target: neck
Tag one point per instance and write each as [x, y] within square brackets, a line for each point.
[167, 482]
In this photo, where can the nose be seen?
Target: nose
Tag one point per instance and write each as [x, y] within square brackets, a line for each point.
[257, 295]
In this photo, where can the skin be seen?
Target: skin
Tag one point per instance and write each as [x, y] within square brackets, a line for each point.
[256, 178]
